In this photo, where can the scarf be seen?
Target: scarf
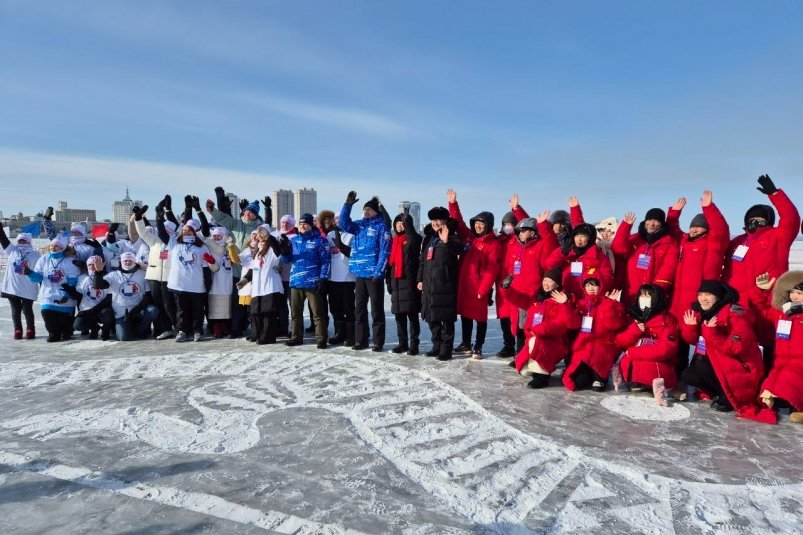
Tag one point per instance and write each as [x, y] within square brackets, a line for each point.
[397, 255]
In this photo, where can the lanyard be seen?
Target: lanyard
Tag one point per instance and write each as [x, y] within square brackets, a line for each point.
[55, 266]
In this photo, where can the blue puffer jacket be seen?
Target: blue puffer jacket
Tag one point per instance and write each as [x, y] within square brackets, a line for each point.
[311, 260]
[370, 248]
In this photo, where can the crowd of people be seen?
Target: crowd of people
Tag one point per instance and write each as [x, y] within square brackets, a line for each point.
[653, 308]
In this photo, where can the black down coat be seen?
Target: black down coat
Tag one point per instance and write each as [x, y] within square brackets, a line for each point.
[439, 274]
[405, 297]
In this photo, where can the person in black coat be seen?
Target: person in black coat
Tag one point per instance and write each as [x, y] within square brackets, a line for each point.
[401, 277]
[437, 279]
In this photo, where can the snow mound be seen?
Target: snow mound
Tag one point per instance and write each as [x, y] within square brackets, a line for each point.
[644, 408]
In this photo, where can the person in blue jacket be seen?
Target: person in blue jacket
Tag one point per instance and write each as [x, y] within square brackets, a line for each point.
[370, 251]
[308, 252]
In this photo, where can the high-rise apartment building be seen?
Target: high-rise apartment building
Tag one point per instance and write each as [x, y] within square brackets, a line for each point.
[282, 205]
[305, 201]
[415, 212]
[121, 210]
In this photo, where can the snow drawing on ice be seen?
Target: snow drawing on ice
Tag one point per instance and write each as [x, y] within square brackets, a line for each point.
[644, 408]
[471, 460]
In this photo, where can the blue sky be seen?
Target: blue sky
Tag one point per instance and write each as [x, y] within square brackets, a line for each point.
[627, 105]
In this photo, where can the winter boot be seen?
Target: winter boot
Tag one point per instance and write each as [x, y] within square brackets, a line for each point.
[181, 336]
[434, 352]
[413, 347]
[506, 353]
[476, 354]
[401, 348]
[539, 380]
[463, 348]
[340, 333]
[30, 333]
[721, 404]
[17, 334]
[93, 333]
[349, 334]
[105, 334]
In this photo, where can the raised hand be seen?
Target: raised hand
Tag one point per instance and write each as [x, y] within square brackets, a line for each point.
[196, 203]
[767, 186]
[689, 318]
[711, 323]
[210, 205]
[764, 281]
[543, 216]
[351, 198]
[209, 259]
[707, 198]
[513, 202]
[559, 297]
[573, 201]
[97, 261]
[168, 203]
[243, 204]
[48, 215]
[630, 218]
[267, 201]
[443, 232]
[451, 195]
[616, 295]
[679, 204]
[641, 326]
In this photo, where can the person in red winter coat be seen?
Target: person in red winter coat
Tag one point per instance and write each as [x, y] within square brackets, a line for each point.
[727, 361]
[550, 318]
[650, 255]
[479, 266]
[505, 238]
[763, 248]
[650, 342]
[784, 383]
[523, 269]
[702, 253]
[594, 351]
[580, 260]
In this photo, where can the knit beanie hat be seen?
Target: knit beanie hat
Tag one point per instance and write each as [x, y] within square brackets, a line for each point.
[509, 219]
[656, 214]
[373, 204]
[554, 274]
[306, 218]
[252, 207]
[699, 221]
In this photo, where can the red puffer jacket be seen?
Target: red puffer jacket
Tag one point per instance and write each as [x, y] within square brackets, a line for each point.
[733, 351]
[700, 259]
[594, 264]
[549, 322]
[652, 353]
[531, 272]
[596, 348]
[504, 242]
[656, 266]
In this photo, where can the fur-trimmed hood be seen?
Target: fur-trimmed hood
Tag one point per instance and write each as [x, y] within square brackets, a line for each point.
[784, 285]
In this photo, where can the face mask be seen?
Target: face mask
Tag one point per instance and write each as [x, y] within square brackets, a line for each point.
[113, 247]
[128, 267]
[74, 240]
[644, 302]
[188, 239]
[508, 229]
[24, 249]
[60, 254]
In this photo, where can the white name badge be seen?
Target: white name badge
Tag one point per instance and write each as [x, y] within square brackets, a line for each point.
[700, 349]
[537, 319]
[577, 269]
[643, 261]
[740, 253]
[588, 322]
[784, 330]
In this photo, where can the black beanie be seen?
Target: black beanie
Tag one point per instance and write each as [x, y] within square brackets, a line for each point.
[509, 218]
[699, 221]
[591, 280]
[657, 214]
[588, 230]
[713, 287]
[373, 203]
[439, 212]
[760, 210]
[555, 274]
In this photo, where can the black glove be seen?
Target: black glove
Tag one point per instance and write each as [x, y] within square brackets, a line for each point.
[26, 270]
[321, 288]
[507, 282]
[70, 290]
[267, 202]
[160, 212]
[351, 198]
[196, 203]
[63, 299]
[139, 212]
[168, 202]
[243, 204]
[188, 203]
[767, 186]
[110, 236]
[285, 245]
[48, 215]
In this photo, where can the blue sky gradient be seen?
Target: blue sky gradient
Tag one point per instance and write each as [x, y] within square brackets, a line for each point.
[627, 105]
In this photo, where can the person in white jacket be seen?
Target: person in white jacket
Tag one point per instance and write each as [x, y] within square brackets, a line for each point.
[267, 290]
[17, 288]
[219, 302]
[94, 304]
[158, 271]
[188, 259]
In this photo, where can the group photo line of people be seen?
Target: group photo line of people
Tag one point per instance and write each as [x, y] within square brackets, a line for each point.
[655, 308]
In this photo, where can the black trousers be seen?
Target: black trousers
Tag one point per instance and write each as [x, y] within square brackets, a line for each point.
[700, 374]
[341, 301]
[584, 376]
[88, 320]
[20, 305]
[373, 289]
[190, 311]
[265, 326]
[239, 313]
[401, 327]
[683, 357]
[442, 337]
[166, 303]
[468, 326]
[58, 324]
[508, 340]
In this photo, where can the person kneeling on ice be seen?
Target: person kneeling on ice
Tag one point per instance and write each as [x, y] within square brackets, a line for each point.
[594, 351]
[550, 317]
[94, 304]
[650, 342]
[784, 383]
[134, 311]
[727, 362]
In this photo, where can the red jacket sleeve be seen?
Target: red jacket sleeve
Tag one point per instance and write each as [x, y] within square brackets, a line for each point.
[690, 333]
[550, 240]
[462, 230]
[788, 220]
[665, 276]
[576, 215]
[665, 346]
[520, 213]
[621, 240]
[555, 259]
[718, 241]
[733, 339]
[563, 320]
[673, 224]
[493, 264]
[628, 338]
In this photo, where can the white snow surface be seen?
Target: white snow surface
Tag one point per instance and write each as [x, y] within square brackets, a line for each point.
[644, 408]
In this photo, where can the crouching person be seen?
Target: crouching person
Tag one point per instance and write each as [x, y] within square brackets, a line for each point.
[134, 311]
[550, 317]
[784, 384]
[94, 304]
[594, 351]
[650, 342]
[727, 362]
